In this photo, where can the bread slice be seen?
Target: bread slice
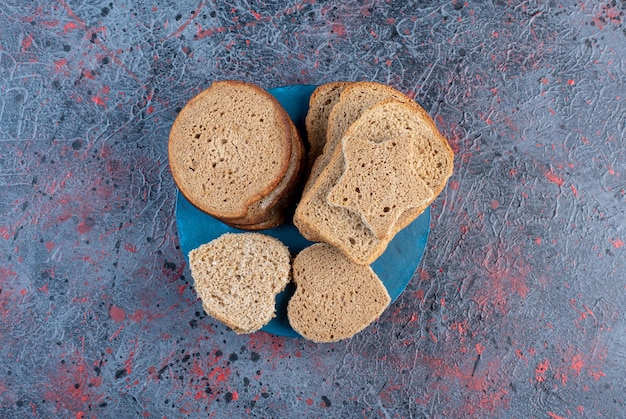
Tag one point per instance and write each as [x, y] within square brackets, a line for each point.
[334, 298]
[237, 277]
[354, 99]
[270, 210]
[346, 229]
[380, 182]
[322, 100]
[229, 147]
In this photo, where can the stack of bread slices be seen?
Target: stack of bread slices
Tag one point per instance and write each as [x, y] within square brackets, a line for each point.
[235, 154]
[376, 161]
[383, 163]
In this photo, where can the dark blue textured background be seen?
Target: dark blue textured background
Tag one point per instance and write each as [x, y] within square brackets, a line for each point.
[517, 309]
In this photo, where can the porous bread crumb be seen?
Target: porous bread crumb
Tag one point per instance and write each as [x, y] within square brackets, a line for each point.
[334, 298]
[237, 277]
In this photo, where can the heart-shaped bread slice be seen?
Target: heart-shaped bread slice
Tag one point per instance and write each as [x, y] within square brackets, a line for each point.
[237, 277]
[334, 298]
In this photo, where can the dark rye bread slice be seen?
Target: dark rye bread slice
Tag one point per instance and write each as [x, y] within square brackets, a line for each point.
[237, 277]
[354, 99]
[322, 100]
[270, 211]
[334, 298]
[318, 220]
[229, 147]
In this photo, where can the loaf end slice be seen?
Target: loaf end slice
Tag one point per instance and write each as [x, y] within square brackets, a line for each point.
[334, 298]
[237, 277]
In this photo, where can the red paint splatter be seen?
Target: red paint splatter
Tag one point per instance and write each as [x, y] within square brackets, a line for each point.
[72, 388]
[495, 204]
[339, 29]
[266, 343]
[83, 228]
[27, 42]
[4, 232]
[59, 65]
[617, 243]
[68, 27]
[540, 372]
[554, 416]
[118, 314]
[309, 402]
[596, 374]
[49, 246]
[203, 33]
[484, 392]
[577, 363]
[552, 177]
[130, 248]
[98, 101]
[480, 348]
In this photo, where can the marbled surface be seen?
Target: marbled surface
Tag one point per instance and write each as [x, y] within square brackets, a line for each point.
[516, 311]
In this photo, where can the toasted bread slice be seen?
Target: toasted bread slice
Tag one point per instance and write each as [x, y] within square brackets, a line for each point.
[229, 147]
[334, 298]
[346, 229]
[237, 277]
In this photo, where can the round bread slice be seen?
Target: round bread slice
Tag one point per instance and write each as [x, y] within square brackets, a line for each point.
[269, 211]
[237, 277]
[229, 147]
[334, 297]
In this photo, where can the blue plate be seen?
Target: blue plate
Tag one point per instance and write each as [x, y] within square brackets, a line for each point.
[395, 267]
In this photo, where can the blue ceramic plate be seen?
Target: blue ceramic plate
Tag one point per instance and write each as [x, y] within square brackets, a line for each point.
[395, 267]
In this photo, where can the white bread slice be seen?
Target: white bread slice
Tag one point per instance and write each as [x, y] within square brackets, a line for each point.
[334, 298]
[237, 277]
[345, 229]
[380, 182]
[229, 147]
[322, 100]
